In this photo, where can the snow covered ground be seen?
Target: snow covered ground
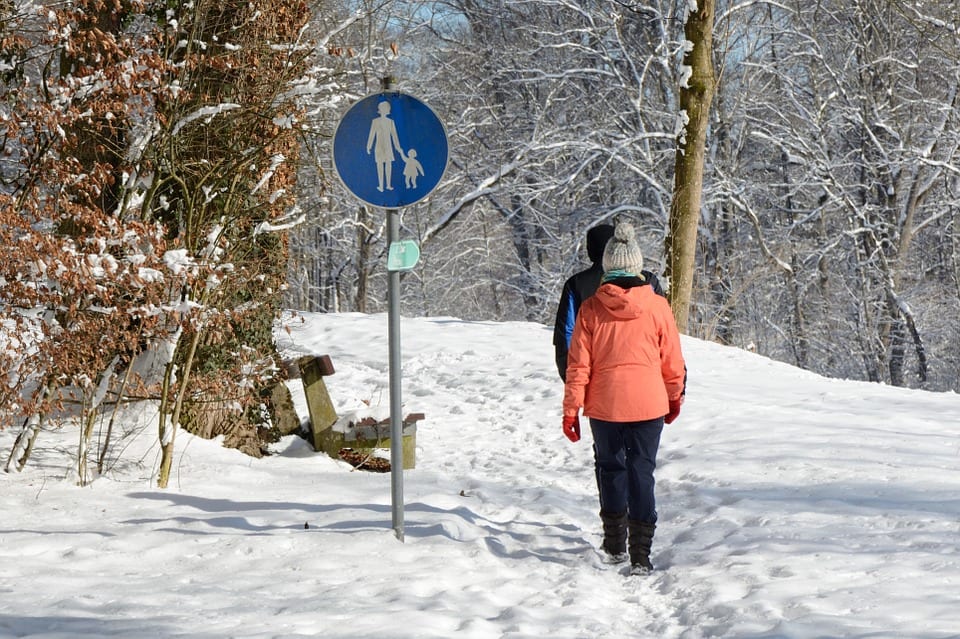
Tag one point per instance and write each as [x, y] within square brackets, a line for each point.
[790, 506]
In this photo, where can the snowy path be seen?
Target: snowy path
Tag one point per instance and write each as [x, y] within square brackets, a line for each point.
[790, 506]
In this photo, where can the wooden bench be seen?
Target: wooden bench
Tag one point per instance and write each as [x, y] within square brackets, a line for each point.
[362, 430]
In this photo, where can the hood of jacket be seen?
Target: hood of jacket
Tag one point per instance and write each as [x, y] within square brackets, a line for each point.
[624, 303]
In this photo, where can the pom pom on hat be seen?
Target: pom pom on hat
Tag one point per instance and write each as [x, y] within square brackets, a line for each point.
[622, 252]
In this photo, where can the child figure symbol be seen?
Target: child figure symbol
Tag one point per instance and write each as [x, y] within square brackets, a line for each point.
[411, 169]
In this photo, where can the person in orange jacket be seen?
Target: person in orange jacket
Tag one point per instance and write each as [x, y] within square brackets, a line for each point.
[579, 287]
[626, 371]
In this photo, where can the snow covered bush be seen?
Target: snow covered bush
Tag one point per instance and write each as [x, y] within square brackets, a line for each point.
[145, 150]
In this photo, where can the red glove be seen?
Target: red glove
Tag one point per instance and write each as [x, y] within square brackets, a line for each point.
[674, 410]
[571, 427]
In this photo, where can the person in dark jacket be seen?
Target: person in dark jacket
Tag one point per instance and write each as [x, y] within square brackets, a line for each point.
[579, 287]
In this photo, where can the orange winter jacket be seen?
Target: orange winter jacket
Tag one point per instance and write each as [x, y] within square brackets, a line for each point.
[624, 362]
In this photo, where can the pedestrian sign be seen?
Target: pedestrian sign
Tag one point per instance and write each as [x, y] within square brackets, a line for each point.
[390, 150]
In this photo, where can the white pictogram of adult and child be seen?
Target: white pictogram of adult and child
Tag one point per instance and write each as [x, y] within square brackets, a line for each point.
[382, 140]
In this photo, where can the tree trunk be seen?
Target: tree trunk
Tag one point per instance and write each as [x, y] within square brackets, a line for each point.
[696, 96]
[167, 436]
[364, 259]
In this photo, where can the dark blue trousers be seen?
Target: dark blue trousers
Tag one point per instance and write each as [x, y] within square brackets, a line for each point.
[625, 455]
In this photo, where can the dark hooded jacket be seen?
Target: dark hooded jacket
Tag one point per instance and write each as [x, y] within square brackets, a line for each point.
[579, 287]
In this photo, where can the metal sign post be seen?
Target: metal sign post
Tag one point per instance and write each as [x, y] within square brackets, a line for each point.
[396, 406]
[370, 138]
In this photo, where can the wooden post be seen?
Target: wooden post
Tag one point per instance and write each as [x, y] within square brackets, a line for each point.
[319, 404]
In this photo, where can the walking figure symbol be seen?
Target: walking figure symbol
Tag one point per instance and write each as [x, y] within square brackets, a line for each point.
[383, 141]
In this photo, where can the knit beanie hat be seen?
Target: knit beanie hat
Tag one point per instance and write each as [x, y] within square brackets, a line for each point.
[623, 252]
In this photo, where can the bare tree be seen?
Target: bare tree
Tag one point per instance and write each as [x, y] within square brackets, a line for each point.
[696, 95]
[840, 167]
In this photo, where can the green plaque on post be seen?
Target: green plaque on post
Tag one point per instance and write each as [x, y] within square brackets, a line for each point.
[403, 255]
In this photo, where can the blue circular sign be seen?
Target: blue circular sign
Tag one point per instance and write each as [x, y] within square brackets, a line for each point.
[390, 150]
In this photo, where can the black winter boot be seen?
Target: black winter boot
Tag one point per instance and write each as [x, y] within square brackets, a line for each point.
[614, 536]
[641, 540]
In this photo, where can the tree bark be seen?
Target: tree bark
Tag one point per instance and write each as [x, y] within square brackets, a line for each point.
[696, 95]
